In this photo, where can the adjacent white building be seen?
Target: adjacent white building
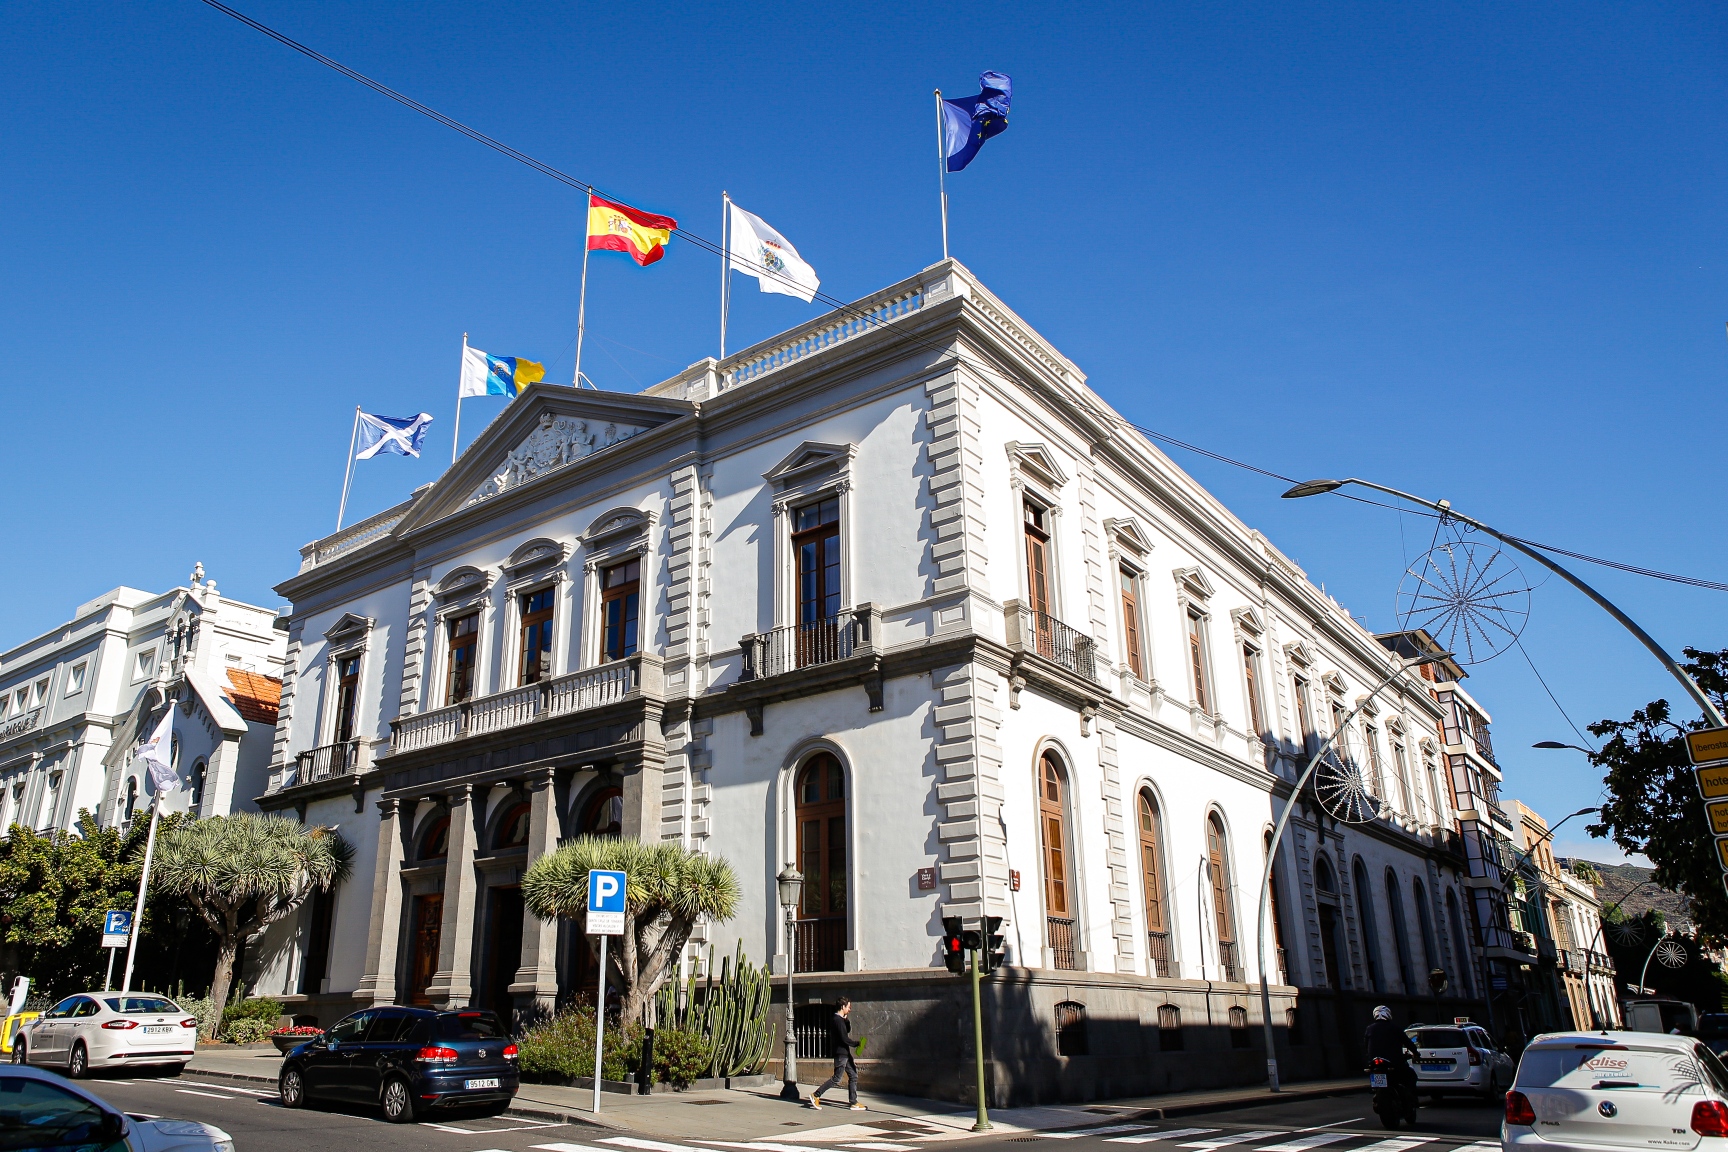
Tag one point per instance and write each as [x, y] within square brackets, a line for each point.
[897, 597]
[74, 700]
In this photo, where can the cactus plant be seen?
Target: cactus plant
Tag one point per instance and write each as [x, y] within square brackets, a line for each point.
[732, 1016]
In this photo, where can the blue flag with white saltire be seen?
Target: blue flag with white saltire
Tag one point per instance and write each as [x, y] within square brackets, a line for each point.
[968, 122]
[391, 435]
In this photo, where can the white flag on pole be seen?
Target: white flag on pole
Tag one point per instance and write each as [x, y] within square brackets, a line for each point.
[157, 753]
[757, 250]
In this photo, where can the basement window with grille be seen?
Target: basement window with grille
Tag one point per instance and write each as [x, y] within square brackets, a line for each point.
[1169, 1028]
[1071, 1028]
[1238, 1027]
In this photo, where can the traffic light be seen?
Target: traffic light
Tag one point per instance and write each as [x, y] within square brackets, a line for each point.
[953, 945]
[992, 943]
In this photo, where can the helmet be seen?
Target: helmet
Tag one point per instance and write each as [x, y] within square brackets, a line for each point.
[1382, 1013]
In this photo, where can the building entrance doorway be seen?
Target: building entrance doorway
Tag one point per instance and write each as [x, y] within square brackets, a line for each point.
[503, 948]
[428, 926]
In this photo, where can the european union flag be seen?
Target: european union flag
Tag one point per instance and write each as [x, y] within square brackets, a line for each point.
[973, 120]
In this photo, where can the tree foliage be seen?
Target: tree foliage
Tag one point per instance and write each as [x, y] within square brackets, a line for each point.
[1699, 981]
[246, 871]
[667, 889]
[1654, 807]
[54, 891]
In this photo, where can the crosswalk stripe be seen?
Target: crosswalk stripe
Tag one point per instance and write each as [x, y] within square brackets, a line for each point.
[566, 1148]
[763, 1145]
[212, 1095]
[1308, 1142]
[1234, 1138]
[647, 1145]
[1076, 1134]
[1395, 1144]
[1151, 1136]
[878, 1146]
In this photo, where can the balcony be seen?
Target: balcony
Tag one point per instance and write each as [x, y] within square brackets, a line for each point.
[1158, 948]
[782, 650]
[821, 944]
[1545, 949]
[324, 763]
[1059, 934]
[1230, 961]
[574, 692]
[1041, 634]
[1508, 944]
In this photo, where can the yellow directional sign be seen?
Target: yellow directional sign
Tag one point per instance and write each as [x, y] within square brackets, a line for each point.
[1712, 781]
[1717, 810]
[1722, 851]
[1708, 746]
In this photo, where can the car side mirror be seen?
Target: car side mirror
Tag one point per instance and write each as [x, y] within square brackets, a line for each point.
[112, 1127]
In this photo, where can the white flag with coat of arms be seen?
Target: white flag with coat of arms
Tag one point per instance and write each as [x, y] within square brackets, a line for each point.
[757, 250]
[157, 753]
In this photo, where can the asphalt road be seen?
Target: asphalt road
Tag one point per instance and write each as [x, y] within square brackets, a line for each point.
[259, 1123]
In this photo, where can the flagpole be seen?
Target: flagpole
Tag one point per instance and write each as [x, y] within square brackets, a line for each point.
[582, 301]
[348, 476]
[456, 438]
[143, 885]
[725, 263]
[942, 170]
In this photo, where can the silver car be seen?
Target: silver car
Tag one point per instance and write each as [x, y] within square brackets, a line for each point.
[43, 1111]
[109, 1030]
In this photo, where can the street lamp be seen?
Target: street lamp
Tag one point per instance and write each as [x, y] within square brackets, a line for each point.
[1399, 667]
[1550, 745]
[1705, 704]
[791, 883]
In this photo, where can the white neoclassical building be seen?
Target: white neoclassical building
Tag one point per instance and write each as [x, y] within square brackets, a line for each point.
[75, 700]
[897, 597]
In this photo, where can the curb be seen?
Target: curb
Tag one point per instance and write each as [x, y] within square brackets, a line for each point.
[1288, 1096]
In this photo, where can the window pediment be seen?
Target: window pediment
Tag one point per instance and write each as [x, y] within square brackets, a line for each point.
[1249, 621]
[1194, 581]
[535, 554]
[464, 581]
[1129, 536]
[616, 525]
[1036, 463]
[1368, 705]
[1333, 682]
[349, 629]
[809, 461]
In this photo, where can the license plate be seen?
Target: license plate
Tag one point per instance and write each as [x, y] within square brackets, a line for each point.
[159, 1029]
[489, 1082]
[1377, 1080]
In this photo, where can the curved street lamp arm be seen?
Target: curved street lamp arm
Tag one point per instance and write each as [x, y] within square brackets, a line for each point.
[1402, 666]
[1708, 706]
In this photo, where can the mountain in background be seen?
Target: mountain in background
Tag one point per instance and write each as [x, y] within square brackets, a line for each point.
[1619, 879]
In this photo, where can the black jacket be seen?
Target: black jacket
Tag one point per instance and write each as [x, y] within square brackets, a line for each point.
[840, 1035]
[1387, 1041]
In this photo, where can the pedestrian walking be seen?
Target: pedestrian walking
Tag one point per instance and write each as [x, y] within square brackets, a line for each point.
[840, 1036]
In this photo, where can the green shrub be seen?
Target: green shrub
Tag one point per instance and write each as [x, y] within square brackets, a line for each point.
[563, 1048]
[258, 1008]
[680, 1057]
[247, 1030]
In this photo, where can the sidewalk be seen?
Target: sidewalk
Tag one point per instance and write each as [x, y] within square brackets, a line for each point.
[759, 1114]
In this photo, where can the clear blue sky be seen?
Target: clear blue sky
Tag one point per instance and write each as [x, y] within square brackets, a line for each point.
[1473, 250]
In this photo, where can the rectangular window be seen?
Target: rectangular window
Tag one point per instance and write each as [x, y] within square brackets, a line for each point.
[23, 700]
[75, 682]
[620, 609]
[1131, 622]
[41, 690]
[1371, 738]
[462, 647]
[816, 542]
[1401, 765]
[53, 801]
[146, 664]
[1037, 527]
[5, 704]
[536, 638]
[1197, 657]
[1251, 677]
[347, 696]
[1304, 718]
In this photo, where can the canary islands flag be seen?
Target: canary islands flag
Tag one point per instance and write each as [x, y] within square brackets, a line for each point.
[620, 228]
[484, 375]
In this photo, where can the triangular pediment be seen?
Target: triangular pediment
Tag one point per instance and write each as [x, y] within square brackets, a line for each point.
[1129, 535]
[1194, 581]
[349, 627]
[808, 459]
[1036, 463]
[546, 429]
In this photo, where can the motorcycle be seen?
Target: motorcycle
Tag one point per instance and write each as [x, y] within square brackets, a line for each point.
[1393, 1102]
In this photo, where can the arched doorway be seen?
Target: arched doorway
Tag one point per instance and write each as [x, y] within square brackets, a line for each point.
[1326, 900]
[820, 816]
[1056, 841]
[502, 956]
[1370, 925]
[1223, 914]
[1152, 882]
[427, 922]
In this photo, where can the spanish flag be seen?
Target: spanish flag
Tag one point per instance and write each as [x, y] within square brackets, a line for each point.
[619, 228]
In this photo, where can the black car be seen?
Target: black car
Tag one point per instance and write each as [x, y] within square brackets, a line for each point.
[409, 1060]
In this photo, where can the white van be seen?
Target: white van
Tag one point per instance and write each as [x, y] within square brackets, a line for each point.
[1632, 1090]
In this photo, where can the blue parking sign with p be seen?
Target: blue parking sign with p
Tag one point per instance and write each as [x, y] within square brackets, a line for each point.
[605, 903]
[116, 928]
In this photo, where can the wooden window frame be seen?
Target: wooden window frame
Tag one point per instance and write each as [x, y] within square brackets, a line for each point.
[830, 850]
[1038, 554]
[1129, 583]
[538, 618]
[1154, 899]
[452, 647]
[824, 537]
[617, 645]
[345, 712]
[1251, 683]
[1200, 660]
[1218, 875]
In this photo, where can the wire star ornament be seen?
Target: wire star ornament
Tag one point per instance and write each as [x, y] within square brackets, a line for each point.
[1469, 595]
[1626, 931]
[1671, 954]
[1341, 786]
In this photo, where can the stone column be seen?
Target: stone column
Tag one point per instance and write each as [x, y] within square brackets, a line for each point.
[535, 989]
[452, 985]
[643, 787]
[378, 985]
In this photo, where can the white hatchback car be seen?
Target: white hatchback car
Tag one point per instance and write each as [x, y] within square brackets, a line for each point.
[109, 1030]
[1634, 1090]
[1459, 1058]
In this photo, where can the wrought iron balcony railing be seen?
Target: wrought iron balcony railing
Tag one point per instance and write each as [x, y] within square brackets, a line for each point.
[794, 646]
[1059, 931]
[1230, 961]
[322, 763]
[1041, 634]
[821, 944]
[1158, 948]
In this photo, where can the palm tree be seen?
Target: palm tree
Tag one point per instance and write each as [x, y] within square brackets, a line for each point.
[245, 872]
[667, 890]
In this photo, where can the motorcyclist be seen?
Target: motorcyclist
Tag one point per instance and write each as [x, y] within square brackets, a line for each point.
[1386, 1041]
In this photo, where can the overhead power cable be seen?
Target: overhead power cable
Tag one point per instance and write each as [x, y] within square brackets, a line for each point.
[835, 302]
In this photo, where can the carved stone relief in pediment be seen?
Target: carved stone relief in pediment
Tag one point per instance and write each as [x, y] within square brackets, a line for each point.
[559, 440]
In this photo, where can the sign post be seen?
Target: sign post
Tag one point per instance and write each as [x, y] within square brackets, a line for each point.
[605, 920]
[116, 934]
[1708, 751]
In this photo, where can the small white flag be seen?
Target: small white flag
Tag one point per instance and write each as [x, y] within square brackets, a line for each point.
[757, 250]
[158, 754]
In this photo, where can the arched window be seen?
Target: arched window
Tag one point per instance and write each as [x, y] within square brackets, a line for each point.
[1400, 933]
[1058, 880]
[198, 771]
[821, 819]
[1218, 874]
[513, 829]
[1071, 1029]
[1280, 961]
[435, 841]
[1152, 884]
[603, 815]
[1425, 922]
[1465, 984]
[1370, 928]
[1169, 1028]
[1239, 1027]
[1326, 891]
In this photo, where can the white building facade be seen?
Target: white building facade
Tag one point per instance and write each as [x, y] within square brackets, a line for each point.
[76, 700]
[898, 598]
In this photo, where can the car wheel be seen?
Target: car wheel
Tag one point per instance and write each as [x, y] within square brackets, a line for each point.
[398, 1101]
[292, 1088]
[173, 1069]
[20, 1054]
[1493, 1090]
[78, 1066]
